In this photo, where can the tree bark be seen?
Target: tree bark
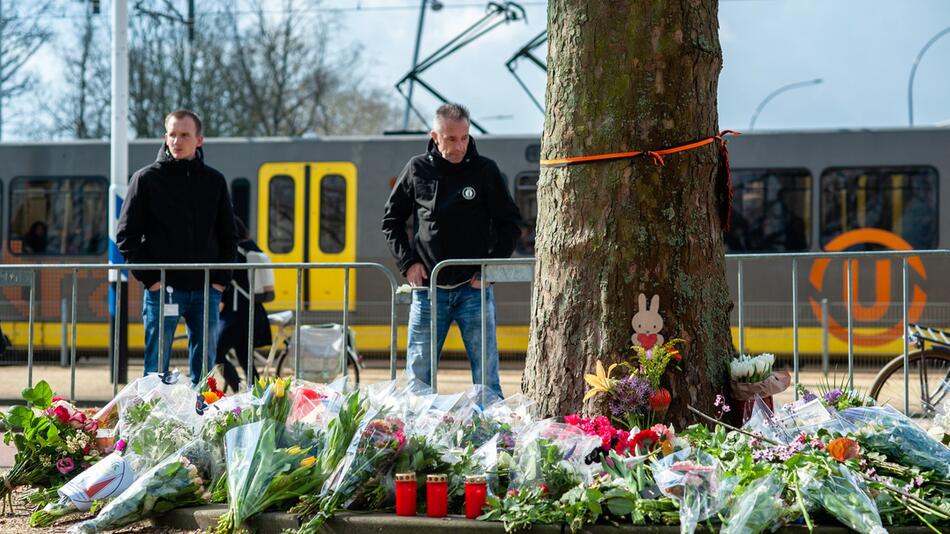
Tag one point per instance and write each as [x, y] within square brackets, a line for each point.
[638, 77]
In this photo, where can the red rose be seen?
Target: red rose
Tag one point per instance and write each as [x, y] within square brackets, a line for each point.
[645, 439]
[61, 413]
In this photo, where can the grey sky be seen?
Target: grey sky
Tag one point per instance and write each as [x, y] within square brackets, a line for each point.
[863, 49]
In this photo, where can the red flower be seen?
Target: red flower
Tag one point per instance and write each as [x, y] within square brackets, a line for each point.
[544, 488]
[675, 354]
[311, 394]
[62, 413]
[645, 440]
[57, 399]
[573, 419]
[513, 493]
[660, 400]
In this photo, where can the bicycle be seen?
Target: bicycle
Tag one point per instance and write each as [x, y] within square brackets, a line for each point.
[273, 364]
[930, 366]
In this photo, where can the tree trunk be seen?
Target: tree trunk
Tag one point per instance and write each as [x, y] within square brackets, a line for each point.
[640, 77]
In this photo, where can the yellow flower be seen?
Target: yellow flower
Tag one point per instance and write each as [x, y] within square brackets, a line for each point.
[210, 397]
[279, 387]
[261, 382]
[294, 450]
[308, 461]
[600, 382]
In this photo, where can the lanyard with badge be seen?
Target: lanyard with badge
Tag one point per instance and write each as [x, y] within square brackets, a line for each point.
[171, 308]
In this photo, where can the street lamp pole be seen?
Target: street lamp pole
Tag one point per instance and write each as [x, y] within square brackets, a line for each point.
[913, 72]
[778, 91]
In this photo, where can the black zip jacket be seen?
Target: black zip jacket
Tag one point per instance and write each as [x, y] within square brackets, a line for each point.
[177, 211]
[461, 210]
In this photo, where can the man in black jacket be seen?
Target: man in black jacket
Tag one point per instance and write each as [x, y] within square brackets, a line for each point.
[461, 208]
[178, 210]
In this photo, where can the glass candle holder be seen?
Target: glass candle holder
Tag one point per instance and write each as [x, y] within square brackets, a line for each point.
[406, 494]
[476, 494]
[437, 495]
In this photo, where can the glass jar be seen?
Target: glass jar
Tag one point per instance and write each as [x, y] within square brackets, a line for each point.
[476, 493]
[406, 494]
[437, 495]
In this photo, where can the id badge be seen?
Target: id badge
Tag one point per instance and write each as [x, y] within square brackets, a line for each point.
[171, 310]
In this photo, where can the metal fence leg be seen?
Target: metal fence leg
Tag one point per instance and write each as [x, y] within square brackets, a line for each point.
[825, 358]
[433, 335]
[484, 356]
[204, 325]
[115, 344]
[905, 340]
[850, 327]
[249, 370]
[392, 333]
[72, 344]
[161, 323]
[297, 306]
[795, 362]
[346, 324]
[29, 348]
[740, 299]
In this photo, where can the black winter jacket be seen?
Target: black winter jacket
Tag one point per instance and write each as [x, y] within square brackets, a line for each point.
[177, 211]
[459, 210]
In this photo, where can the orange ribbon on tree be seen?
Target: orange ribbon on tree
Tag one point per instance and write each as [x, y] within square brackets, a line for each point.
[723, 182]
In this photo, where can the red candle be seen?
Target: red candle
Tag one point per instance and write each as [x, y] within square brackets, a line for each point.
[437, 495]
[476, 492]
[406, 494]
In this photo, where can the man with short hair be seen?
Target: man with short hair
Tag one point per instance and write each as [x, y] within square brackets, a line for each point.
[178, 210]
[461, 208]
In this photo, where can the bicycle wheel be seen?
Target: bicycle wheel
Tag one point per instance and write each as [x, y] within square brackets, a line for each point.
[927, 386]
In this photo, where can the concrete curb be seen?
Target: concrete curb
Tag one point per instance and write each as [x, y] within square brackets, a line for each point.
[276, 522]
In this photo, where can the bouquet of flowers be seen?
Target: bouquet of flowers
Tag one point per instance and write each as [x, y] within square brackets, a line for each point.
[107, 478]
[759, 508]
[752, 376]
[694, 478]
[638, 398]
[56, 440]
[180, 480]
[371, 453]
[835, 489]
[552, 455]
[889, 432]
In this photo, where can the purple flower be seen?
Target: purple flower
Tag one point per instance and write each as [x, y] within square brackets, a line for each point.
[630, 395]
[65, 465]
[832, 396]
[237, 410]
[809, 396]
[120, 445]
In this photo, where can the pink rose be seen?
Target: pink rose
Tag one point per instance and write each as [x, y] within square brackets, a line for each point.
[65, 466]
[77, 420]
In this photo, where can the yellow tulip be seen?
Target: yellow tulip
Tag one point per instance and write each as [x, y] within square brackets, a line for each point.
[294, 450]
[261, 382]
[308, 461]
[279, 387]
[600, 382]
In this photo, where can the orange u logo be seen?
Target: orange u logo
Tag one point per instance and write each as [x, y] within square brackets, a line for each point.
[882, 286]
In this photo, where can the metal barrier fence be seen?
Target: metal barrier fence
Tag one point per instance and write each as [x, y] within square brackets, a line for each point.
[493, 270]
[849, 257]
[25, 275]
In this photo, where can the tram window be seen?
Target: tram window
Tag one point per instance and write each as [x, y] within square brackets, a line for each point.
[771, 210]
[526, 197]
[59, 216]
[280, 214]
[902, 200]
[241, 200]
[332, 214]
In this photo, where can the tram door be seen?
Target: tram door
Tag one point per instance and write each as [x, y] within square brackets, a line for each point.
[307, 213]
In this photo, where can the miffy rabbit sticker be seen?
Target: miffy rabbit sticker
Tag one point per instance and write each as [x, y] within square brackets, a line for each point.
[647, 323]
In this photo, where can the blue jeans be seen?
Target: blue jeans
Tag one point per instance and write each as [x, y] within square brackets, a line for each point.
[462, 305]
[191, 307]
